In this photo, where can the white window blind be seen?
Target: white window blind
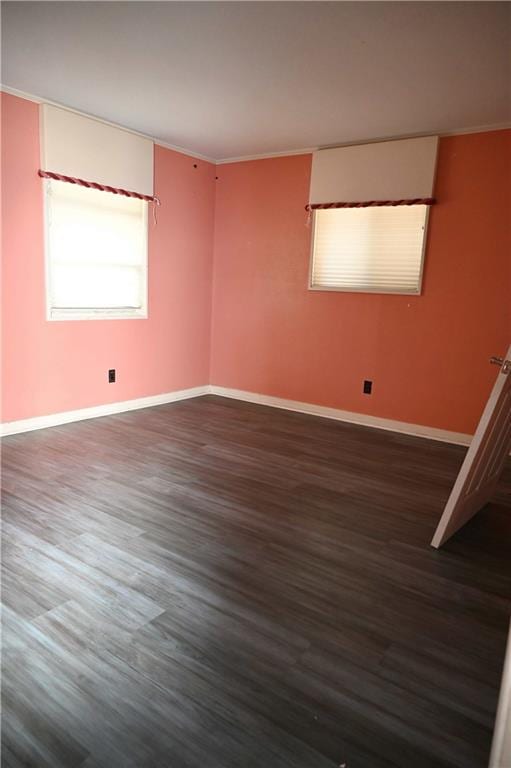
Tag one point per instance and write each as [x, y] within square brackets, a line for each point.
[375, 249]
[96, 253]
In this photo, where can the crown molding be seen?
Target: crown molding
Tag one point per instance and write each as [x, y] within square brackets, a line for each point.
[159, 142]
[265, 155]
[396, 137]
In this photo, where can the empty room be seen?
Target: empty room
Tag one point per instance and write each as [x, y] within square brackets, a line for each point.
[256, 384]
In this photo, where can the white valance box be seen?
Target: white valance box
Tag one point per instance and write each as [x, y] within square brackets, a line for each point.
[387, 170]
[85, 148]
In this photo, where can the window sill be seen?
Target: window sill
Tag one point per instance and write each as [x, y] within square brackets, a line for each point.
[352, 289]
[127, 313]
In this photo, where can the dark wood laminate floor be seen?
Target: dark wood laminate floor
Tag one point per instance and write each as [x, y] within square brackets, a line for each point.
[216, 584]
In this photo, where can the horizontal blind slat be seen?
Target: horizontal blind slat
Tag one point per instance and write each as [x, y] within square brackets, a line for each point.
[369, 248]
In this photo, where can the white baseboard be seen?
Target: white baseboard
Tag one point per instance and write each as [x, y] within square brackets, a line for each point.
[54, 419]
[416, 430]
[65, 417]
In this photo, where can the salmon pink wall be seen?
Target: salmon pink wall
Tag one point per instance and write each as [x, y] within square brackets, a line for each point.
[427, 355]
[58, 366]
[265, 332]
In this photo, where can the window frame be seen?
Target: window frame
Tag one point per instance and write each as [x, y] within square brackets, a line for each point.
[351, 289]
[93, 313]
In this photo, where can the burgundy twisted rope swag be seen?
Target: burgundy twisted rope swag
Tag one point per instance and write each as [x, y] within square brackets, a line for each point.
[100, 187]
[370, 203]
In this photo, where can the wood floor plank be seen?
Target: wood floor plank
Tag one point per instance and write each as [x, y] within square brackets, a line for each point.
[224, 584]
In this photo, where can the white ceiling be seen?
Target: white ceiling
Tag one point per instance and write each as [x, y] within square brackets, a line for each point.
[230, 79]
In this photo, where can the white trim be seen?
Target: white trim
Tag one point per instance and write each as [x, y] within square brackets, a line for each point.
[264, 155]
[165, 144]
[58, 314]
[403, 427]
[501, 746]
[351, 417]
[288, 153]
[65, 417]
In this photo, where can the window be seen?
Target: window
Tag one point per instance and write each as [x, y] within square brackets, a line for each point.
[96, 252]
[376, 249]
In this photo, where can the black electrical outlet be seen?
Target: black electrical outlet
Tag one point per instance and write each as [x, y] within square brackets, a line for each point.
[368, 386]
[111, 375]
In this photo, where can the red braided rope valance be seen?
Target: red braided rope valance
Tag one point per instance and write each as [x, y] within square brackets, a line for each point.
[370, 203]
[100, 187]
